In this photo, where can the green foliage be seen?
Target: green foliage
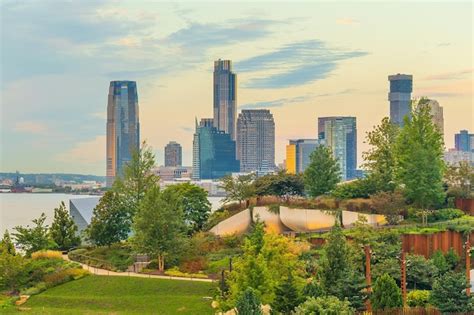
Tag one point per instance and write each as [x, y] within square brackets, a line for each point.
[13, 274]
[386, 294]
[381, 157]
[440, 262]
[323, 173]
[249, 303]
[359, 188]
[281, 185]
[116, 257]
[256, 236]
[287, 296]
[444, 215]
[421, 272]
[390, 266]
[238, 188]
[312, 289]
[33, 239]
[418, 298]
[196, 207]
[389, 203]
[6, 244]
[334, 262]
[449, 294]
[452, 259]
[326, 305]
[460, 179]
[63, 229]
[111, 221]
[419, 151]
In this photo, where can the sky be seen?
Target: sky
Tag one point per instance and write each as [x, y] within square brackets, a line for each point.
[301, 60]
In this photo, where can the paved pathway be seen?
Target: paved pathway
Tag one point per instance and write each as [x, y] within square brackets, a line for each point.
[104, 272]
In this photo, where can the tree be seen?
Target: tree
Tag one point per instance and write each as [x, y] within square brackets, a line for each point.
[312, 289]
[460, 179]
[390, 204]
[381, 158]
[159, 225]
[421, 272]
[256, 236]
[327, 305]
[386, 294]
[419, 164]
[33, 239]
[452, 259]
[287, 297]
[13, 273]
[137, 178]
[323, 173]
[6, 244]
[249, 303]
[63, 229]
[334, 261]
[238, 188]
[111, 221]
[193, 201]
[449, 294]
[440, 262]
[282, 185]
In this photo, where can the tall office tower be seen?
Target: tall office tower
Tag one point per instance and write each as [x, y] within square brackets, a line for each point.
[401, 86]
[173, 154]
[123, 127]
[340, 134]
[463, 141]
[225, 97]
[298, 154]
[436, 111]
[213, 152]
[256, 140]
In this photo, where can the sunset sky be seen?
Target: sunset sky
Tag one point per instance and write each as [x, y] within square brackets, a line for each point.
[300, 60]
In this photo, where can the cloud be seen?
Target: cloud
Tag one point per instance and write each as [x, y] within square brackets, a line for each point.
[187, 129]
[294, 64]
[85, 152]
[30, 127]
[456, 75]
[445, 44]
[347, 21]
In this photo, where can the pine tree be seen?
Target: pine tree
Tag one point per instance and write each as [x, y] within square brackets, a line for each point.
[63, 229]
[386, 294]
[449, 294]
[287, 296]
[249, 303]
[323, 172]
[334, 263]
[7, 244]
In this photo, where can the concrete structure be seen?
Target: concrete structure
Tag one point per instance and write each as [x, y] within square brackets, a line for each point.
[256, 140]
[123, 127]
[225, 97]
[464, 141]
[173, 154]
[213, 152]
[167, 173]
[340, 134]
[453, 157]
[401, 86]
[298, 154]
[81, 211]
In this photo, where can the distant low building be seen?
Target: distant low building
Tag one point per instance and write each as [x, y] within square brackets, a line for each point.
[171, 173]
[453, 157]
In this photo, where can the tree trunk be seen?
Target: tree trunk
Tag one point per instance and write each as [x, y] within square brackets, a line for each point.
[161, 263]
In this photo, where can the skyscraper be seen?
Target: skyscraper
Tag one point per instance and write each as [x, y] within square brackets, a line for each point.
[463, 141]
[173, 154]
[298, 154]
[436, 111]
[340, 134]
[213, 152]
[401, 86]
[256, 140]
[225, 97]
[123, 127]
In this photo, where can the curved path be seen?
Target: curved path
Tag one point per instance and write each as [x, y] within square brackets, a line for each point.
[105, 272]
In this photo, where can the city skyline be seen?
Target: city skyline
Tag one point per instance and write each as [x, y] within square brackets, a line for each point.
[300, 77]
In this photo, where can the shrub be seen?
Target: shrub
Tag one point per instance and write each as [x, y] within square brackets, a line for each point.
[175, 272]
[358, 205]
[47, 254]
[444, 215]
[324, 305]
[418, 298]
[194, 265]
[359, 188]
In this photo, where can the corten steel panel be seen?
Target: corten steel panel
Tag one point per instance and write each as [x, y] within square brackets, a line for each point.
[428, 244]
[466, 205]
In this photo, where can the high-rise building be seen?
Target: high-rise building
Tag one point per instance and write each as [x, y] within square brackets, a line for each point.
[340, 134]
[435, 109]
[298, 154]
[123, 127]
[463, 141]
[173, 154]
[256, 140]
[213, 152]
[401, 86]
[225, 97]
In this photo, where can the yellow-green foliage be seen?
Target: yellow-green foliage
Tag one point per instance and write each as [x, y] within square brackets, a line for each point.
[64, 275]
[47, 254]
[175, 272]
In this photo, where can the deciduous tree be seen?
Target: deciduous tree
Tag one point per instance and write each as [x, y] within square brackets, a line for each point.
[63, 229]
[323, 172]
[32, 239]
[7, 244]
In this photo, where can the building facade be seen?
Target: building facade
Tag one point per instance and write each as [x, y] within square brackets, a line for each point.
[340, 134]
[401, 86]
[213, 152]
[173, 154]
[464, 141]
[123, 127]
[298, 154]
[436, 111]
[256, 140]
[225, 97]
[453, 157]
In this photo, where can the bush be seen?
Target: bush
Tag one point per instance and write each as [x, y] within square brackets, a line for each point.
[359, 188]
[116, 257]
[175, 272]
[324, 305]
[194, 265]
[444, 215]
[418, 298]
[47, 254]
[358, 205]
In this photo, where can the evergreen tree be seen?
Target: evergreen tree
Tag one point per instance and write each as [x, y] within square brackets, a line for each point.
[287, 296]
[256, 236]
[449, 294]
[386, 294]
[353, 288]
[440, 262]
[249, 303]
[325, 305]
[111, 221]
[63, 229]
[419, 151]
[323, 173]
[334, 262]
[312, 289]
[32, 239]
[7, 245]
[452, 259]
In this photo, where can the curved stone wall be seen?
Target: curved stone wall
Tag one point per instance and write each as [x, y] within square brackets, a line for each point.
[236, 224]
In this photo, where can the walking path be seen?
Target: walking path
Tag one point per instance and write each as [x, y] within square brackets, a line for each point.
[104, 272]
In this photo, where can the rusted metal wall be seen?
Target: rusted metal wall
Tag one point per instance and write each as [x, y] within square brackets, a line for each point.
[427, 244]
[466, 205]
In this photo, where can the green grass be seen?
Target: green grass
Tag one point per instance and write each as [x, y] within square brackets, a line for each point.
[124, 295]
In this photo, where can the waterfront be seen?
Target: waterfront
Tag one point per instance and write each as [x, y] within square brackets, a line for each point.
[20, 209]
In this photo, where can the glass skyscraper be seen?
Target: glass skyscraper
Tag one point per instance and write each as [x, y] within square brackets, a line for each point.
[340, 134]
[225, 97]
[213, 152]
[256, 140]
[401, 86]
[298, 153]
[464, 141]
[123, 127]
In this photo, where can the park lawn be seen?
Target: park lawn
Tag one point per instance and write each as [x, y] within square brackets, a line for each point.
[124, 295]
